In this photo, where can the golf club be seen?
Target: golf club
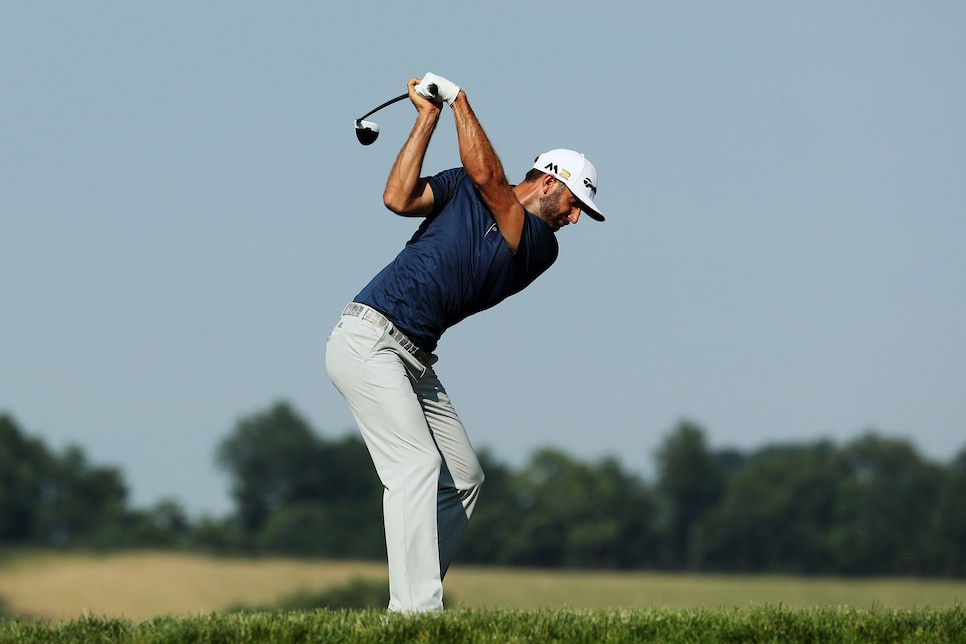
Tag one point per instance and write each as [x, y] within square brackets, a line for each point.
[368, 131]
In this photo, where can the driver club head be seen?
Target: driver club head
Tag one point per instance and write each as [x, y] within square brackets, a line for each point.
[367, 131]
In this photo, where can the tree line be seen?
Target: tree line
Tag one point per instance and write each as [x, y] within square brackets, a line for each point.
[871, 506]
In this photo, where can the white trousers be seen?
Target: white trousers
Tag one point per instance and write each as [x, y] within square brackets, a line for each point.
[419, 447]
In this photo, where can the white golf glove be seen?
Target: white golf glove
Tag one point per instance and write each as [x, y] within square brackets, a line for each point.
[446, 90]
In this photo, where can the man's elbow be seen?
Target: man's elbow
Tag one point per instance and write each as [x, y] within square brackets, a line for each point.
[484, 178]
[394, 202]
[403, 207]
[417, 202]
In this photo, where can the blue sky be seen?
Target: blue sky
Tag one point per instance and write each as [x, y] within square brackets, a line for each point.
[184, 210]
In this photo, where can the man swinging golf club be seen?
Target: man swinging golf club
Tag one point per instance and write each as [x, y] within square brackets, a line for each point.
[480, 241]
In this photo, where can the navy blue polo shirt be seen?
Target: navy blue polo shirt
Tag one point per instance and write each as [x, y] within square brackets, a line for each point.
[456, 264]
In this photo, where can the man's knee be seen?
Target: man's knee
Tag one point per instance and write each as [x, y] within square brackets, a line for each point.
[478, 478]
[430, 462]
[469, 478]
[411, 467]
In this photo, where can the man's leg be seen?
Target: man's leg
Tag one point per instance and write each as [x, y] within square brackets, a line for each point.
[368, 369]
[460, 476]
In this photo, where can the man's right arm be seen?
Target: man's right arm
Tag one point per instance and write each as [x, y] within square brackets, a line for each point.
[407, 193]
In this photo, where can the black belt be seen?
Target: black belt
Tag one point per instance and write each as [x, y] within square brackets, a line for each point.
[368, 313]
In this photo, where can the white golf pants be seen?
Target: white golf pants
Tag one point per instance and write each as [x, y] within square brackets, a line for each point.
[429, 471]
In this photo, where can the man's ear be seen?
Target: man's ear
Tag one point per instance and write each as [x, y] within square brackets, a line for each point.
[548, 184]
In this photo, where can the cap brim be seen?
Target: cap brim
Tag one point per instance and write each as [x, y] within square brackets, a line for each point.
[591, 210]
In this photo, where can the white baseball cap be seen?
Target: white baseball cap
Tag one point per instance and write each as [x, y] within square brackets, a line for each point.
[577, 173]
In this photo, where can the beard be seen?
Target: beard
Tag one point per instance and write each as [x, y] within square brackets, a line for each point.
[548, 207]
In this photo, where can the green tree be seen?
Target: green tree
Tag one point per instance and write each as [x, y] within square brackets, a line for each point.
[297, 493]
[776, 512]
[690, 482]
[576, 515]
[887, 503]
[299, 529]
[951, 520]
[217, 535]
[24, 463]
[621, 532]
[272, 458]
[50, 499]
[163, 525]
[492, 536]
[84, 504]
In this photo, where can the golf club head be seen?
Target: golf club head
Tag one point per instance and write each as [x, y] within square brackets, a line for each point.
[367, 131]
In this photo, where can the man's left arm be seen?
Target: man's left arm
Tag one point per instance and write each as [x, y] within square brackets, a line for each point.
[480, 161]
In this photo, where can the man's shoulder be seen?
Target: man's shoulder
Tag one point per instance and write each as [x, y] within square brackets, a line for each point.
[538, 243]
[445, 185]
[537, 228]
[451, 176]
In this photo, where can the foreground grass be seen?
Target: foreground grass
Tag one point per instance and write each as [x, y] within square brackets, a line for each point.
[765, 624]
[143, 585]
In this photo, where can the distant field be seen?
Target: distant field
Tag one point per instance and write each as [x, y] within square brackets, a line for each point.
[146, 585]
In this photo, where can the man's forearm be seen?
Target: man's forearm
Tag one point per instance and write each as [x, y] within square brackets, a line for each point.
[403, 186]
[476, 153]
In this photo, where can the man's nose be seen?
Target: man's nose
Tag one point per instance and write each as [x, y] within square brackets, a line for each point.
[574, 215]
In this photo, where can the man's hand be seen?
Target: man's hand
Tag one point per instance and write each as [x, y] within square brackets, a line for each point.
[446, 90]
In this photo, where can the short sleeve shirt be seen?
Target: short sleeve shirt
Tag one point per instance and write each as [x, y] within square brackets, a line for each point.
[456, 264]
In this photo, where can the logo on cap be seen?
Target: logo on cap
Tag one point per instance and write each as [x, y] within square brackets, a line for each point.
[553, 167]
[590, 184]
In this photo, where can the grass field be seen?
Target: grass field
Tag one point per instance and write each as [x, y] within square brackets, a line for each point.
[146, 585]
[667, 626]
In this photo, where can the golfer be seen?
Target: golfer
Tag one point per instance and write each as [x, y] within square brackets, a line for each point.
[480, 241]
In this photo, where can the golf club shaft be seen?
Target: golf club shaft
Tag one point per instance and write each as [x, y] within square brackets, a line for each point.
[387, 103]
[391, 101]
